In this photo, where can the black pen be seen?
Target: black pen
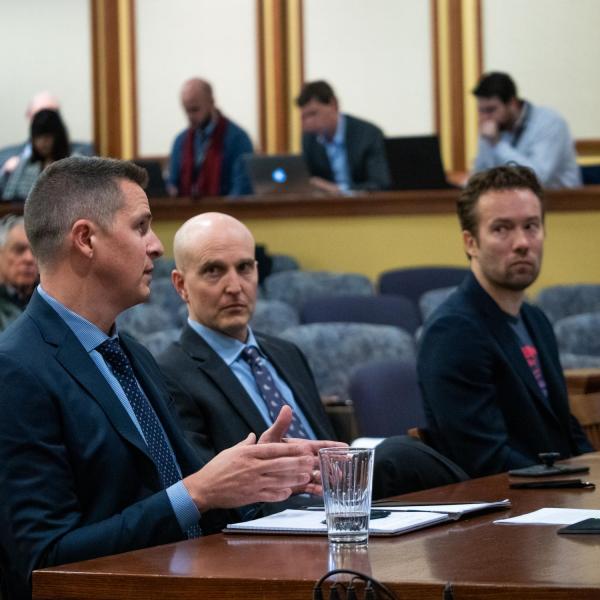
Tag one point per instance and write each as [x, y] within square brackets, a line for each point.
[550, 484]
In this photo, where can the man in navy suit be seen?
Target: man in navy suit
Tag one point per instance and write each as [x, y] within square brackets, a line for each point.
[488, 363]
[342, 152]
[93, 461]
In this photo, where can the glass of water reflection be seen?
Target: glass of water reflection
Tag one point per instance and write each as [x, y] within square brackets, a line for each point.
[347, 475]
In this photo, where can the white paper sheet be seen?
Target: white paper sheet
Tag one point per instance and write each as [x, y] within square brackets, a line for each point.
[552, 516]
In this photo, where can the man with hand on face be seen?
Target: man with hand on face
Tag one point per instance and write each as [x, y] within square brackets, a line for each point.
[493, 387]
[514, 130]
[228, 381]
[206, 159]
[93, 461]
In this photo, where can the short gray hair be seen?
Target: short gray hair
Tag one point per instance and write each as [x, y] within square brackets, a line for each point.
[70, 189]
[7, 224]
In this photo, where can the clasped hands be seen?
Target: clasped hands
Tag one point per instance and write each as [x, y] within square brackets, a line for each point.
[269, 469]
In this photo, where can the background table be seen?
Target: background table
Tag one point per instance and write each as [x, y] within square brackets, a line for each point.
[480, 559]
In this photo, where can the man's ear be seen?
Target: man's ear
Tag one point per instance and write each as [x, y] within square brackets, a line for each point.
[178, 280]
[83, 237]
[470, 244]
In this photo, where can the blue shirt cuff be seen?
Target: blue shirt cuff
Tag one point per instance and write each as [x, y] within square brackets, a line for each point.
[185, 510]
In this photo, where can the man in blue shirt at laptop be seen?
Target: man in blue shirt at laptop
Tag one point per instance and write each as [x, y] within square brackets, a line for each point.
[342, 152]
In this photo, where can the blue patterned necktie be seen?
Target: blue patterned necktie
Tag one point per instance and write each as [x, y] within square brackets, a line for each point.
[158, 448]
[268, 390]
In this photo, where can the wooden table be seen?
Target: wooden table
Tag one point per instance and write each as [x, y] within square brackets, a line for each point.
[480, 559]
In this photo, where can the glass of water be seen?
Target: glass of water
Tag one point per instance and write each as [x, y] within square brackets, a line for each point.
[347, 475]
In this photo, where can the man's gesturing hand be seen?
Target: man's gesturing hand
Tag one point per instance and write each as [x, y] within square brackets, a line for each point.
[250, 472]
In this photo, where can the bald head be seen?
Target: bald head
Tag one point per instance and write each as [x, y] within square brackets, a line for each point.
[42, 101]
[216, 272]
[208, 229]
[198, 101]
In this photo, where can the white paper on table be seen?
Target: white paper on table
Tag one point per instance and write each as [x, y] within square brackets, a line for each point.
[552, 516]
[366, 442]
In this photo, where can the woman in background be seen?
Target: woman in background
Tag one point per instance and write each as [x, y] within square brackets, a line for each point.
[49, 142]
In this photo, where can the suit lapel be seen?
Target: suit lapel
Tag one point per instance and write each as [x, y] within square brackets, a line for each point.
[506, 338]
[76, 361]
[160, 402]
[352, 147]
[215, 368]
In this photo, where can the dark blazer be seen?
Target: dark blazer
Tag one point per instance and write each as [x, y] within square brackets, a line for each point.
[483, 405]
[213, 405]
[366, 156]
[76, 480]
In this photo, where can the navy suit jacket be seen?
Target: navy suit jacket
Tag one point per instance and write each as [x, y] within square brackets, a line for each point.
[76, 481]
[484, 407]
[213, 405]
[367, 160]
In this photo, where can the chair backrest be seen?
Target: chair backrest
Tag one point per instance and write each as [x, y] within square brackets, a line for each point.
[159, 341]
[386, 398]
[283, 262]
[559, 301]
[163, 267]
[415, 281]
[333, 350]
[579, 334]
[273, 317]
[432, 299]
[378, 310]
[143, 319]
[296, 287]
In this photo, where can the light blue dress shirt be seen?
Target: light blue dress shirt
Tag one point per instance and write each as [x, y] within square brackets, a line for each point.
[91, 337]
[338, 155]
[543, 144]
[229, 349]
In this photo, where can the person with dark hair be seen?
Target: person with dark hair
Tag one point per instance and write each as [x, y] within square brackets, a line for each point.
[206, 158]
[515, 130]
[93, 460]
[49, 142]
[342, 152]
[493, 388]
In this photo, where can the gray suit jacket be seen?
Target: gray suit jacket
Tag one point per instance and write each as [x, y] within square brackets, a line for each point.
[214, 407]
[366, 156]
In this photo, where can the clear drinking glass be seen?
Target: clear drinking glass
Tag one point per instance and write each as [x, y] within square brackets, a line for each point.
[347, 475]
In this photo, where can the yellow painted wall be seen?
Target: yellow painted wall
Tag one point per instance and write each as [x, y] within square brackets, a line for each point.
[370, 245]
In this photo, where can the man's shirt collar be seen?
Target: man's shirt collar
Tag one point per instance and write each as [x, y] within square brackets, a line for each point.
[226, 347]
[339, 135]
[86, 332]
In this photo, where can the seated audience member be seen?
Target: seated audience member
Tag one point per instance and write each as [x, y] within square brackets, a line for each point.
[206, 159]
[342, 152]
[93, 461]
[514, 130]
[18, 270]
[49, 142]
[492, 383]
[11, 155]
[228, 381]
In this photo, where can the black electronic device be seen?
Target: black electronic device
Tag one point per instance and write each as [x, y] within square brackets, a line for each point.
[548, 467]
[415, 163]
[585, 526]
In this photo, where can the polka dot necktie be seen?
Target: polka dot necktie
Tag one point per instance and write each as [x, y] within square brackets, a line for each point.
[158, 448]
[268, 390]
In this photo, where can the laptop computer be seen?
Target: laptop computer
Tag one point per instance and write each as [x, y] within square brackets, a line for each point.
[156, 184]
[416, 163]
[278, 174]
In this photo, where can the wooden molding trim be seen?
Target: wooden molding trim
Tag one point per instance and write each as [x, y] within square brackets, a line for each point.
[114, 80]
